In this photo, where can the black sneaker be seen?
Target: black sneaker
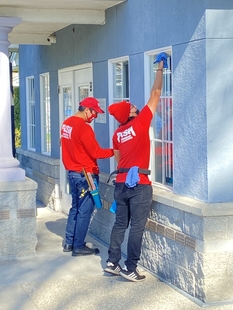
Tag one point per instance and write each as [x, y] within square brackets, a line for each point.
[113, 269]
[132, 275]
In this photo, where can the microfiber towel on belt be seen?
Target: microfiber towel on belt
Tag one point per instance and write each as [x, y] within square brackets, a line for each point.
[132, 177]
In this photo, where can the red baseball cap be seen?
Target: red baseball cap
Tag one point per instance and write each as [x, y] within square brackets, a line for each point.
[92, 103]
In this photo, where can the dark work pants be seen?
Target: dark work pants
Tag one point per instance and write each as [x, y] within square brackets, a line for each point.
[133, 206]
[80, 211]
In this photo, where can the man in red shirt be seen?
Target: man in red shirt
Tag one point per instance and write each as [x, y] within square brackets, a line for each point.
[133, 190]
[80, 149]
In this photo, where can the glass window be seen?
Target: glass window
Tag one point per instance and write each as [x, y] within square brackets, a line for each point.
[83, 92]
[161, 133]
[45, 114]
[118, 82]
[31, 113]
[67, 102]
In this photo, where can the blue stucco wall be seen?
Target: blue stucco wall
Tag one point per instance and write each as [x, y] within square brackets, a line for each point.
[220, 119]
[189, 120]
[199, 33]
[220, 103]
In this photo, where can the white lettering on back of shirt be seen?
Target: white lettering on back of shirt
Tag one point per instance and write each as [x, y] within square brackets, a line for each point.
[126, 135]
[66, 131]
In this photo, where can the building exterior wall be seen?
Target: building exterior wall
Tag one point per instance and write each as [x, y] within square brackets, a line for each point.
[186, 243]
[45, 172]
[194, 49]
[188, 221]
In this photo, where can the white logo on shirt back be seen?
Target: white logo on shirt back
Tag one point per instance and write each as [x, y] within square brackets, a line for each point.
[66, 131]
[126, 135]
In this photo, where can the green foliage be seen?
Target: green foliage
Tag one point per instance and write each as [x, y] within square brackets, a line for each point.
[17, 117]
[17, 137]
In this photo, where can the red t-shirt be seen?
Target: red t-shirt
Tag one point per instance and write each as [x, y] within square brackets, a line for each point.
[79, 146]
[133, 142]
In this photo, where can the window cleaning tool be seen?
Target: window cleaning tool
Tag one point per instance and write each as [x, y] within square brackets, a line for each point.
[93, 189]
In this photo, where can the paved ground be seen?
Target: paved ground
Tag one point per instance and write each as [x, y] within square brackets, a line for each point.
[54, 280]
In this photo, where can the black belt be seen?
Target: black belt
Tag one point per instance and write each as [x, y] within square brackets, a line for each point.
[82, 174]
[122, 170]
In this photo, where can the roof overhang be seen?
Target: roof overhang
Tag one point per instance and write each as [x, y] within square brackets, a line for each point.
[42, 18]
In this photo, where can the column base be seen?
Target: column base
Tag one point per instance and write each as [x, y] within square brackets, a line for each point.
[17, 219]
[12, 174]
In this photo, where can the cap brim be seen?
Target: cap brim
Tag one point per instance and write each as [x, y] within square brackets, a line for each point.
[98, 110]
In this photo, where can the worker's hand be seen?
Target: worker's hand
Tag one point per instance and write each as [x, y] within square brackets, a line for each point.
[162, 57]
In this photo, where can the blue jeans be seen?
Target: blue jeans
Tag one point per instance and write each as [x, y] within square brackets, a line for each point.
[133, 207]
[80, 211]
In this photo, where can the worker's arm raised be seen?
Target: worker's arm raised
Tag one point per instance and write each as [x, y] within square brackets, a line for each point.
[158, 83]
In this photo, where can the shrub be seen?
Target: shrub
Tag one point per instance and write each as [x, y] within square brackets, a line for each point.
[16, 97]
[17, 137]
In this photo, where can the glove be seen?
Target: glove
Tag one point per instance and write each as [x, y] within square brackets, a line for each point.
[162, 56]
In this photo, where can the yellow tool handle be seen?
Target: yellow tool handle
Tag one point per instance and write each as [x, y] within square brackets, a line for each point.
[87, 179]
[91, 181]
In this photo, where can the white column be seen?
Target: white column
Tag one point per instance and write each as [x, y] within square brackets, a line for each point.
[9, 166]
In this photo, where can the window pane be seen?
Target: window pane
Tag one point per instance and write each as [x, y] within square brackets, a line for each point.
[119, 88]
[158, 161]
[31, 113]
[45, 114]
[168, 163]
[162, 162]
[67, 101]
[121, 80]
[83, 92]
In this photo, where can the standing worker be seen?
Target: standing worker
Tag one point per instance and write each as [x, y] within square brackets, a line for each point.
[133, 190]
[81, 150]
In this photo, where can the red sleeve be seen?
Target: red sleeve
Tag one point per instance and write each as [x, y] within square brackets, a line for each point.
[144, 118]
[91, 145]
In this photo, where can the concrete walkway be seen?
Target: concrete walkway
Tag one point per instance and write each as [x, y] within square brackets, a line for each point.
[54, 280]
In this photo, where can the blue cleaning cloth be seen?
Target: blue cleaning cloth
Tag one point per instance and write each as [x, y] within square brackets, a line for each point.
[162, 56]
[132, 177]
[113, 207]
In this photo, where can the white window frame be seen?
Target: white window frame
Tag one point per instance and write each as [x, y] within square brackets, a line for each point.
[111, 85]
[31, 113]
[45, 114]
[147, 86]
